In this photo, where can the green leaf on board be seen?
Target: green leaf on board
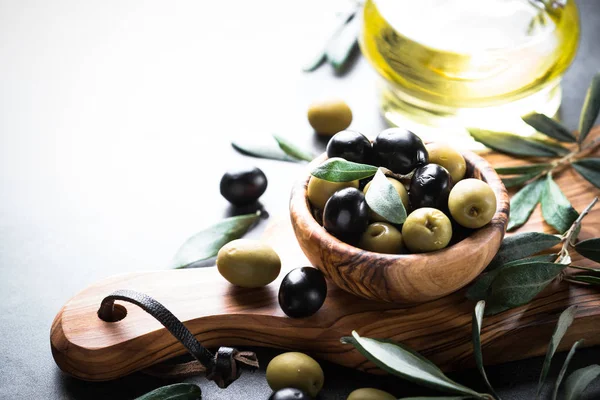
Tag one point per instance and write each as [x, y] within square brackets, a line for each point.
[339, 170]
[563, 370]
[589, 248]
[383, 199]
[292, 150]
[524, 202]
[579, 380]
[549, 127]
[564, 322]
[517, 285]
[207, 243]
[343, 44]
[261, 150]
[591, 108]
[523, 169]
[556, 208]
[519, 180]
[515, 145]
[178, 391]
[402, 361]
[589, 168]
[521, 245]
[587, 279]
[476, 323]
[527, 260]
[559, 149]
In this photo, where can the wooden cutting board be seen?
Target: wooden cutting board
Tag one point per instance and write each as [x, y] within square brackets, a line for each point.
[220, 314]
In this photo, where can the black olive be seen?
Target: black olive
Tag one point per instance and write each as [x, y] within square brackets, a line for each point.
[243, 186]
[346, 213]
[351, 146]
[399, 150]
[430, 187]
[289, 394]
[302, 292]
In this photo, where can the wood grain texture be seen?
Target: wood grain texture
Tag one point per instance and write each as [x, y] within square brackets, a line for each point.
[401, 278]
[220, 314]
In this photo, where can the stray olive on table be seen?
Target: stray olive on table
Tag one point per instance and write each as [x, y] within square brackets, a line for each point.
[243, 186]
[295, 370]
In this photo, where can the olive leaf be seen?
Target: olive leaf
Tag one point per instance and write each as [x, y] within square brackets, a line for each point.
[251, 148]
[523, 169]
[549, 127]
[556, 208]
[383, 199]
[339, 170]
[587, 279]
[292, 150]
[527, 260]
[517, 285]
[589, 248]
[341, 46]
[206, 243]
[519, 180]
[564, 322]
[516, 145]
[596, 270]
[589, 168]
[523, 203]
[563, 370]
[521, 245]
[579, 380]
[399, 360]
[591, 108]
[476, 332]
[178, 391]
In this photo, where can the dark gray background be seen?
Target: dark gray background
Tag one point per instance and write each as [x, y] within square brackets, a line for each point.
[115, 122]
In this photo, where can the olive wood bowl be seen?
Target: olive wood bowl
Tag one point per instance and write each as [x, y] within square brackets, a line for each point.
[401, 278]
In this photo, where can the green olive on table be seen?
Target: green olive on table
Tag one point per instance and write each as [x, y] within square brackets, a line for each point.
[472, 203]
[370, 394]
[449, 158]
[248, 263]
[320, 190]
[381, 237]
[328, 117]
[401, 192]
[295, 370]
[426, 229]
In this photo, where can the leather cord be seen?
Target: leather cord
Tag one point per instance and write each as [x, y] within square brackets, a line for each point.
[222, 367]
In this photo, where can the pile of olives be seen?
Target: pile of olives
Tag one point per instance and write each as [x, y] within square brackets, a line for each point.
[437, 198]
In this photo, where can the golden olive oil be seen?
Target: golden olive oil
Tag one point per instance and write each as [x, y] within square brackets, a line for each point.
[453, 64]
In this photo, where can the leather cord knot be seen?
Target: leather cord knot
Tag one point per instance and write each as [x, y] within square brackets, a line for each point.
[223, 368]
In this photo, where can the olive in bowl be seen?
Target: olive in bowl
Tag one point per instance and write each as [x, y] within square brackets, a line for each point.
[399, 150]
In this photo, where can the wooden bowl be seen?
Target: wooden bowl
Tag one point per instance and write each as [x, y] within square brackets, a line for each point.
[401, 278]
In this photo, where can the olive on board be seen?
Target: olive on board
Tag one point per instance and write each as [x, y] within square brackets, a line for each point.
[351, 146]
[399, 150]
[401, 192]
[448, 158]
[320, 190]
[302, 292]
[370, 394]
[290, 394]
[426, 229]
[295, 370]
[243, 186]
[248, 263]
[430, 187]
[381, 237]
[328, 117]
[472, 203]
[346, 213]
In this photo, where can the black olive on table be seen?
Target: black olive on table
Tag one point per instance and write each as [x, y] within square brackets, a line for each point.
[399, 150]
[243, 186]
[302, 292]
[346, 213]
[430, 187]
[290, 394]
[351, 146]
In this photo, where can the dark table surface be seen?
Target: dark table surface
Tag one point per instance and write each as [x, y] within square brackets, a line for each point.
[115, 123]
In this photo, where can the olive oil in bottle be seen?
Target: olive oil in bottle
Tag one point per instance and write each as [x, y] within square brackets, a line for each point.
[453, 64]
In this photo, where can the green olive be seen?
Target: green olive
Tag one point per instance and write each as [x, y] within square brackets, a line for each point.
[328, 117]
[248, 263]
[448, 158]
[401, 191]
[319, 190]
[295, 370]
[381, 237]
[472, 203]
[426, 229]
[370, 394]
